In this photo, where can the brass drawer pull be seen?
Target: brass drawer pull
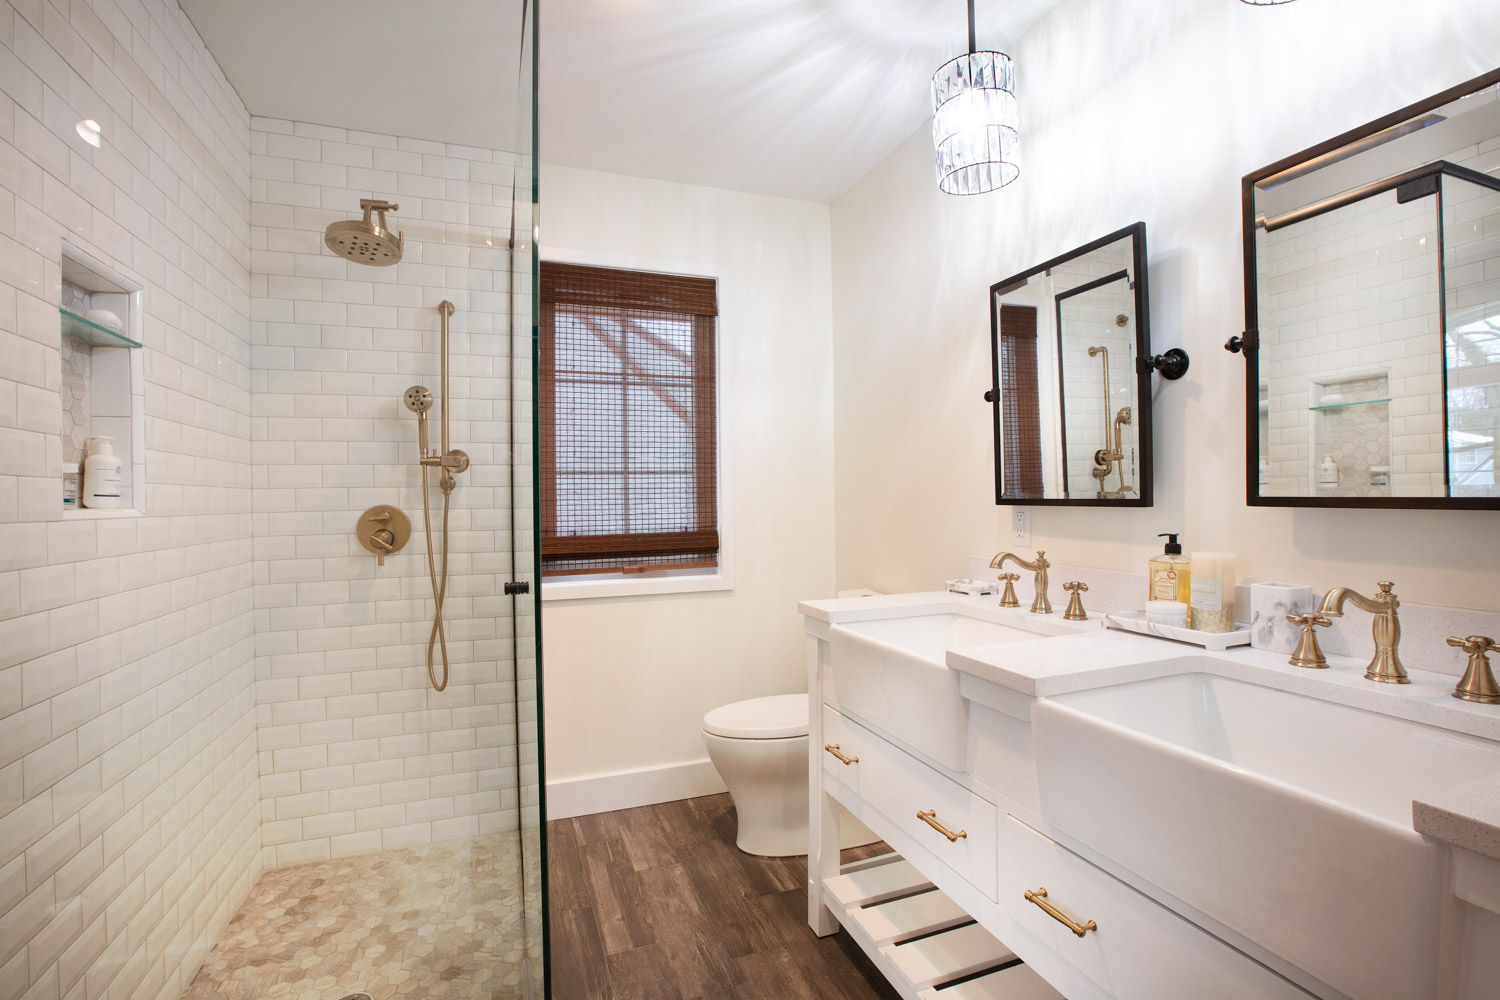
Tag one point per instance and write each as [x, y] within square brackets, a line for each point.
[930, 818]
[833, 748]
[1040, 899]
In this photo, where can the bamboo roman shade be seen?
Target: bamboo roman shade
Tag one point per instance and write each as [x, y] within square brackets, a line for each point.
[1020, 405]
[628, 477]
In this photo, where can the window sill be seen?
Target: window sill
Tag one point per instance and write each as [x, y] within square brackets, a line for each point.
[561, 589]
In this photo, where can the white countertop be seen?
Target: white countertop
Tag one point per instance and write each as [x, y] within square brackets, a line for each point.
[1467, 816]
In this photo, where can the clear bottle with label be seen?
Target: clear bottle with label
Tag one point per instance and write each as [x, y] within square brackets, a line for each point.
[1170, 573]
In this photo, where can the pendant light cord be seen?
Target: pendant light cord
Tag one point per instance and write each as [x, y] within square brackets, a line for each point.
[972, 45]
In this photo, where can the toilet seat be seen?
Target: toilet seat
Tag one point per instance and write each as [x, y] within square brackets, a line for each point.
[778, 717]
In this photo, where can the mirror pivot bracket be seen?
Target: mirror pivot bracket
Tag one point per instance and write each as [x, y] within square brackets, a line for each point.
[1244, 342]
[1172, 365]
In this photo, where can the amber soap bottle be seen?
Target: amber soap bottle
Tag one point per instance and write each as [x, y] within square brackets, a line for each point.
[1171, 573]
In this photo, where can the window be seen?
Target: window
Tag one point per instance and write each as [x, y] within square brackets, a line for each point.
[629, 467]
[1020, 407]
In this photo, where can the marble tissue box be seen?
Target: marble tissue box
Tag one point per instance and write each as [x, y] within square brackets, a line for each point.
[1270, 603]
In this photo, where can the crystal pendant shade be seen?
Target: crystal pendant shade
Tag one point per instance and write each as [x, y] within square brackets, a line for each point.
[974, 123]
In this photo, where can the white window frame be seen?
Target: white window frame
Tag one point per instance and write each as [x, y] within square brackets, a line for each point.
[595, 587]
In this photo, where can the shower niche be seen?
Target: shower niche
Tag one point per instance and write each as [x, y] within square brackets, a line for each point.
[1350, 427]
[102, 387]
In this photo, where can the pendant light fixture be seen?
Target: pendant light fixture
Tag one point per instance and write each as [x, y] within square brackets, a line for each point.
[974, 121]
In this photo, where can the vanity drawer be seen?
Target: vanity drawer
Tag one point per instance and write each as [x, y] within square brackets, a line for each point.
[845, 752]
[1137, 949]
[899, 787]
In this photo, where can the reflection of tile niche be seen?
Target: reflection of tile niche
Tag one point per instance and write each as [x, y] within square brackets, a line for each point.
[1351, 421]
[102, 391]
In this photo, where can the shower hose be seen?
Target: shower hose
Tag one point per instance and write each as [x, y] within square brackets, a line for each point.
[439, 582]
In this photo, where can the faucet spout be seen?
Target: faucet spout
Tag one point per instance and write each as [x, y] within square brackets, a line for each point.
[1040, 605]
[1385, 666]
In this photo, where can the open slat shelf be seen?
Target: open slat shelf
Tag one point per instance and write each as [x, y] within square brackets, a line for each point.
[921, 940]
[944, 957]
[908, 917]
[1015, 983]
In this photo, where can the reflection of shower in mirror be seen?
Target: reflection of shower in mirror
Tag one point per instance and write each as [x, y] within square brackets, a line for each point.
[1110, 460]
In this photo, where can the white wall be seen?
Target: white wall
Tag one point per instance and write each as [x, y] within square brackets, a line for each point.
[1148, 110]
[627, 680]
[128, 786]
[358, 753]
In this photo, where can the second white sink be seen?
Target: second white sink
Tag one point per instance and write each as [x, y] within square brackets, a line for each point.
[1286, 818]
[893, 674]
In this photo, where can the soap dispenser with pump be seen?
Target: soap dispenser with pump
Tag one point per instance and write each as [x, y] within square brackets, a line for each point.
[1171, 573]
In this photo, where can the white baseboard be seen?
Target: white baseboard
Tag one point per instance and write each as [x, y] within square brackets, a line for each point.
[596, 793]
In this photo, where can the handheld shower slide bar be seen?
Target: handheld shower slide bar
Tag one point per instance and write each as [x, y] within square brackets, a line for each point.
[447, 460]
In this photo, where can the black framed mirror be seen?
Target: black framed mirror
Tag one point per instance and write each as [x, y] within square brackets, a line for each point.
[1070, 347]
[1372, 313]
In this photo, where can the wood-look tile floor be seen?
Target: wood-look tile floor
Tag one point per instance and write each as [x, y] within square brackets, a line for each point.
[657, 903]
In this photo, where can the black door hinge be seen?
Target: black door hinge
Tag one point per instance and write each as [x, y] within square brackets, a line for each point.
[513, 587]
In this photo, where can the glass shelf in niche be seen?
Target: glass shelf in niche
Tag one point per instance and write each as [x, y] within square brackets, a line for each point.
[1354, 402]
[75, 326]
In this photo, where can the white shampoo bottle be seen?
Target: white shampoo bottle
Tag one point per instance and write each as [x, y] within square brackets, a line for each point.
[101, 475]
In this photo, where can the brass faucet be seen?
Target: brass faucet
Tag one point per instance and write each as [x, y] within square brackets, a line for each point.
[1040, 605]
[1385, 666]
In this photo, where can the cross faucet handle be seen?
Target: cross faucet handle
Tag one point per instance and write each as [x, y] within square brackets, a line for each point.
[1472, 644]
[1308, 653]
[1008, 599]
[1478, 683]
[1075, 611]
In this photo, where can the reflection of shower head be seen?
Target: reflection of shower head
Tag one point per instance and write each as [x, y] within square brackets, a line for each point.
[367, 242]
[1124, 416]
[1094, 351]
[418, 399]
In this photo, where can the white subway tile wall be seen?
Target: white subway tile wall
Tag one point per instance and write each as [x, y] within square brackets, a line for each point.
[129, 830]
[357, 752]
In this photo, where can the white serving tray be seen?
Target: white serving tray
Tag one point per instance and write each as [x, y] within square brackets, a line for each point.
[1135, 621]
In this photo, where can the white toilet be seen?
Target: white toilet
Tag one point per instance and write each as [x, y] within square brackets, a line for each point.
[759, 748]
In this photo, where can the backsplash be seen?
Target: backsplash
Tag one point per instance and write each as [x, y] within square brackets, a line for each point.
[1424, 627]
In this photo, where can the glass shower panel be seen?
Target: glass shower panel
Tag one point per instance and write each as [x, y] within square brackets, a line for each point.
[525, 564]
[1471, 266]
[393, 381]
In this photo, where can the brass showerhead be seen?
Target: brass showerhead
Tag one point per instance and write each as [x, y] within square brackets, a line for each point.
[367, 242]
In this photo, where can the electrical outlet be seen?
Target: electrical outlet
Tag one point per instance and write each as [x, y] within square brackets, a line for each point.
[1020, 526]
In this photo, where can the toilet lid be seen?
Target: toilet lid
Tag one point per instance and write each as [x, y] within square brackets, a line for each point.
[777, 717]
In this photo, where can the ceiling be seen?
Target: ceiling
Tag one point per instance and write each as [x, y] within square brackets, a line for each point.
[795, 98]
[439, 69]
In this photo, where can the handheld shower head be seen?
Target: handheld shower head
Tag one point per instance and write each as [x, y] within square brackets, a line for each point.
[418, 399]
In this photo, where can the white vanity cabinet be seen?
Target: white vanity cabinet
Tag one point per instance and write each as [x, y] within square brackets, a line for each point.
[966, 841]
[1080, 813]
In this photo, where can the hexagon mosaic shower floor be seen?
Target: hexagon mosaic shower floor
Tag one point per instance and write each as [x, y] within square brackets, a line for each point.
[439, 921]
